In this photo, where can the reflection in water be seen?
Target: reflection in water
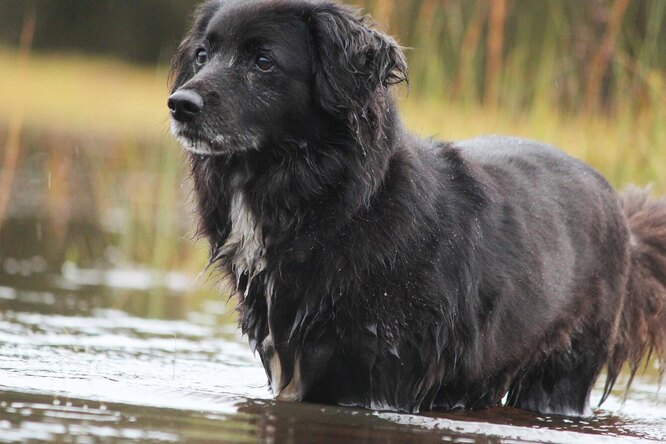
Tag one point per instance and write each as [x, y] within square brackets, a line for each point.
[73, 366]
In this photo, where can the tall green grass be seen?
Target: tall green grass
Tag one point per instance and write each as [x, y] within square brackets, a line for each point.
[586, 76]
[593, 56]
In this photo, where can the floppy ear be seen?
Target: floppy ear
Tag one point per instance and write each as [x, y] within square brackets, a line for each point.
[352, 61]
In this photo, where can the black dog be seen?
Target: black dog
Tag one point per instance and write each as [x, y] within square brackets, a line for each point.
[377, 269]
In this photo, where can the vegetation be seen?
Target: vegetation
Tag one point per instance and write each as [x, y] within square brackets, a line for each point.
[593, 55]
[586, 76]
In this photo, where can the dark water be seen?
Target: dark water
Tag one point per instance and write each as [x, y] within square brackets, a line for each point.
[75, 367]
[94, 348]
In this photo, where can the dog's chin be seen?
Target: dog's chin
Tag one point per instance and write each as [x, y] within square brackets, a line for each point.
[200, 148]
[218, 145]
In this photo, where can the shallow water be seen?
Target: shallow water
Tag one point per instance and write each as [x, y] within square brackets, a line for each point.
[81, 361]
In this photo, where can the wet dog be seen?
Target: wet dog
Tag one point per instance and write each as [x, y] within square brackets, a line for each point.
[377, 269]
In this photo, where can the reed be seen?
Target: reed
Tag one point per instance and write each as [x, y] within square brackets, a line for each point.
[586, 76]
[590, 57]
[12, 144]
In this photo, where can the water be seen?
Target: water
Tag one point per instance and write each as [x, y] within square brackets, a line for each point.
[81, 361]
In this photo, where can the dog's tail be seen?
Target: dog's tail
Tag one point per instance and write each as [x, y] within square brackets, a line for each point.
[642, 329]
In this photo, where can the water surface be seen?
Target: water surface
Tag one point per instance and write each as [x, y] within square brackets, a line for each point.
[82, 360]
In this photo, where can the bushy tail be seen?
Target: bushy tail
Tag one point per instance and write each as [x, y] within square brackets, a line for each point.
[642, 330]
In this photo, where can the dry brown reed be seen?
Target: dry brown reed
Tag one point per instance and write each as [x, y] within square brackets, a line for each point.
[12, 145]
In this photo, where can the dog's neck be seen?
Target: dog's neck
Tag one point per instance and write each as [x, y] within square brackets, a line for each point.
[321, 181]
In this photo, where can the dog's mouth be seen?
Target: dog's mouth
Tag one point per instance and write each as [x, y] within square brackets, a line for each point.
[192, 140]
[198, 142]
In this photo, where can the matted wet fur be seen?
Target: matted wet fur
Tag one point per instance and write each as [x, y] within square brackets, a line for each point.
[373, 268]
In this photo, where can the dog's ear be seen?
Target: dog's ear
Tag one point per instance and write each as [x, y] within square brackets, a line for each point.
[352, 61]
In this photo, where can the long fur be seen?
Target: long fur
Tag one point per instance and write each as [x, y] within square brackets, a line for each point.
[377, 269]
[642, 330]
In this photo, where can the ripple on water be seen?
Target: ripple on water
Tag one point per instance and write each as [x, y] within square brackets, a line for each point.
[103, 374]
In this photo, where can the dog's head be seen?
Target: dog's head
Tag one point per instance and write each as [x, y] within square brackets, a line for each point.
[257, 73]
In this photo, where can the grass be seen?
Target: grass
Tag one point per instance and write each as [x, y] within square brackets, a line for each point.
[589, 77]
[626, 148]
[86, 95]
[116, 115]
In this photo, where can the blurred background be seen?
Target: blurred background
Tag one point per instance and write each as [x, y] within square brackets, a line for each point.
[109, 329]
[90, 179]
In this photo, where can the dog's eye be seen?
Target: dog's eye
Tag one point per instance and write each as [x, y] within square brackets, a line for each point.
[264, 63]
[201, 56]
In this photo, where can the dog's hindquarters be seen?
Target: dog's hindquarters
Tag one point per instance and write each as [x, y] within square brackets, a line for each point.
[642, 328]
[559, 259]
[562, 383]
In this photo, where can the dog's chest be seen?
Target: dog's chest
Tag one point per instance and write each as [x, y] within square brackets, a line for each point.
[246, 248]
[245, 244]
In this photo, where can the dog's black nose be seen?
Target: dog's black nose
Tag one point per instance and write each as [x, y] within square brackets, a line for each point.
[184, 105]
